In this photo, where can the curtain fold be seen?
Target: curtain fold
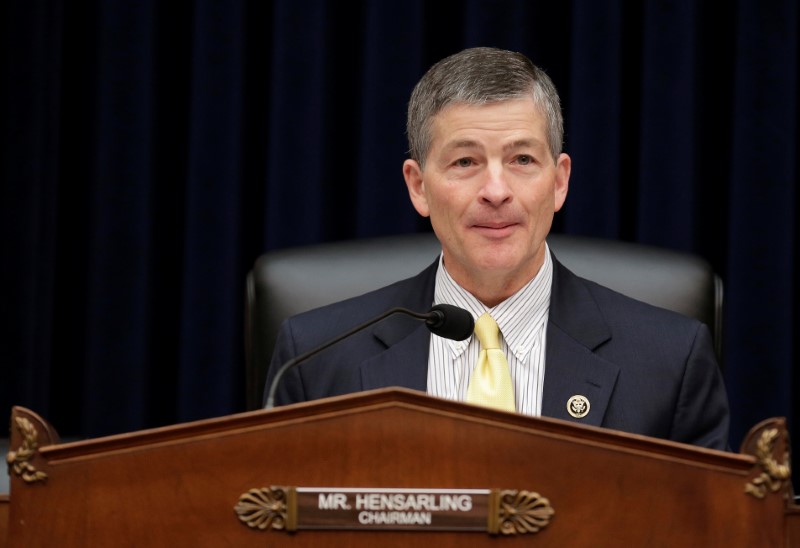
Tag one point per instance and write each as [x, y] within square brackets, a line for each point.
[595, 121]
[667, 147]
[300, 110]
[151, 151]
[385, 80]
[762, 241]
[118, 274]
[212, 204]
[29, 168]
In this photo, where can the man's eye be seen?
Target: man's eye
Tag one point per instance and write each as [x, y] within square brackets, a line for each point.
[524, 160]
[463, 162]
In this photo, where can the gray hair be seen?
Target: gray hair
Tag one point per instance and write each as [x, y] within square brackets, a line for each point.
[479, 76]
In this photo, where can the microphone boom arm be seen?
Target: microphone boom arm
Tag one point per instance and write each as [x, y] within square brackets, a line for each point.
[435, 316]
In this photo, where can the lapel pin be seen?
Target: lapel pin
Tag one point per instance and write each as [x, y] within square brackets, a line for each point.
[578, 406]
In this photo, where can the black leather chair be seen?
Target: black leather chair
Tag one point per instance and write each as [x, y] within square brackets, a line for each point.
[289, 281]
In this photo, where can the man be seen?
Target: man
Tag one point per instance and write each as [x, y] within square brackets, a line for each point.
[485, 131]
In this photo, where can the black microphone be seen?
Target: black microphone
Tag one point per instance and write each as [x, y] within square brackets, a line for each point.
[445, 320]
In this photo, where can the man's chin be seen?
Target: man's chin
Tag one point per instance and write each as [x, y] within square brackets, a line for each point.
[498, 263]
[504, 262]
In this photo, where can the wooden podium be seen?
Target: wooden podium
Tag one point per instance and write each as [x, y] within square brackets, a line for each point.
[394, 468]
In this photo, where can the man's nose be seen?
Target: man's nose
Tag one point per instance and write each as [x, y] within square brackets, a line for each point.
[495, 189]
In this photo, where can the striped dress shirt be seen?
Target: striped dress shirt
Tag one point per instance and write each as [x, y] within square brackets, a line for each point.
[523, 322]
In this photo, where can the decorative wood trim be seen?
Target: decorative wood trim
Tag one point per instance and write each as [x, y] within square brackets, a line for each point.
[267, 508]
[19, 460]
[520, 512]
[768, 441]
[494, 511]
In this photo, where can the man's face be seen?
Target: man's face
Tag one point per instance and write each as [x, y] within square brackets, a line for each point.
[490, 187]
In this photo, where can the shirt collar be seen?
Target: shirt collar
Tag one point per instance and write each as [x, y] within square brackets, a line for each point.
[519, 317]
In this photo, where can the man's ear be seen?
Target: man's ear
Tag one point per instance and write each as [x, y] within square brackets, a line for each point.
[563, 169]
[412, 172]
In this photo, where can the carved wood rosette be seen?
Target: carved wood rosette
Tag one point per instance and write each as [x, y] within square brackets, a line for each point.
[769, 443]
[516, 512]
[266, 508]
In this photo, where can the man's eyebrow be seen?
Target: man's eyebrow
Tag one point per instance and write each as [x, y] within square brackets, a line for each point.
[461, 143]
[472, 144]
[521, 143]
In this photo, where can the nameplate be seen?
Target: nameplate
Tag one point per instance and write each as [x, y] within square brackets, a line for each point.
[497, 512]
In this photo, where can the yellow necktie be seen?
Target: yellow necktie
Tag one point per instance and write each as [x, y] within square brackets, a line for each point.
[490, 384]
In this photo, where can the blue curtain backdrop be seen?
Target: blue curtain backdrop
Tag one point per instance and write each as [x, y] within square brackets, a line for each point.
[152, 150]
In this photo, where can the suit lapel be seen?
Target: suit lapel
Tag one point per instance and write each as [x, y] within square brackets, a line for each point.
[576, 328]
[405, 360]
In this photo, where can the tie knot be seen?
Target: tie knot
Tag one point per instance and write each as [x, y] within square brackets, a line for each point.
[487, 331]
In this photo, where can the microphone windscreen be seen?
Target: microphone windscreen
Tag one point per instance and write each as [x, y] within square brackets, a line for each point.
[455, 323]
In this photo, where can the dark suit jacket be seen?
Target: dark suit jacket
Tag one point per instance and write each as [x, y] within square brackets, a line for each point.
[644, 369]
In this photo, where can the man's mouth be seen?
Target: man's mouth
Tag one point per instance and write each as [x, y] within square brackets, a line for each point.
[495, 228]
